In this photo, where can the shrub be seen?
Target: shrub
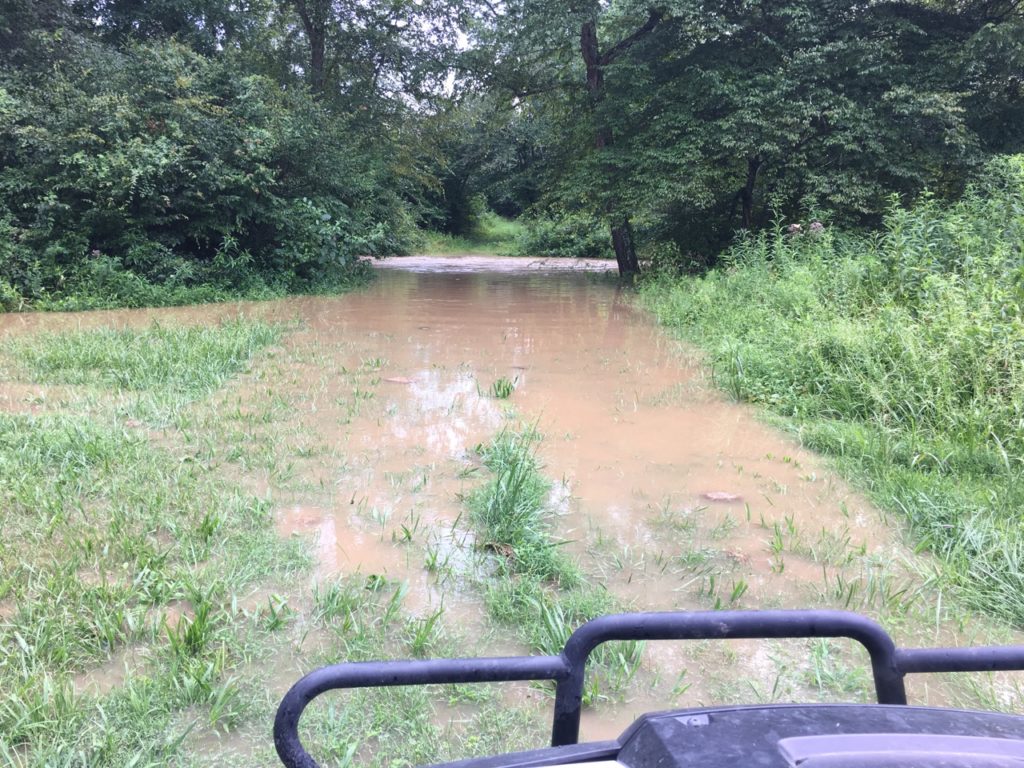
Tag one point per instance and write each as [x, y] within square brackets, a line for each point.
[155, 169]
[572, 235]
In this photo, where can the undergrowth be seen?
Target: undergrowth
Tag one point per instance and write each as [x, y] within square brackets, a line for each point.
[902, 354]
[491, 234]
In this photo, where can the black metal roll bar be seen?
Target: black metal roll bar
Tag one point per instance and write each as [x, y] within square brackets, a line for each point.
[889, 664]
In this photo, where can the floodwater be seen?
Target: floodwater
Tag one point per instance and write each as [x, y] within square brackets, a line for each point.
[669, 495]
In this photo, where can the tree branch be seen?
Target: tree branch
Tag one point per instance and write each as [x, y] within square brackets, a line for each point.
[654, 17]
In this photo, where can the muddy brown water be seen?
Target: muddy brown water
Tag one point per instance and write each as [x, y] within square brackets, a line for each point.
[660, 482]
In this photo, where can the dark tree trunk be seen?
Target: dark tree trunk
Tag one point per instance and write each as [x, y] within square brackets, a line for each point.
[595, 62]
[317, 52]
[316, 34]
[591, 58]
[622, 235]
[625, 250]
[747, 193]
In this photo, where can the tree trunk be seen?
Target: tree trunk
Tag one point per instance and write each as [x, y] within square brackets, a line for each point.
[621, 232]
[747, 193]
[625, 250]
[317, 55]
[316, 33]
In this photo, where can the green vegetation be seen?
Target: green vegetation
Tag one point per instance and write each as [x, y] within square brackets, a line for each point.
[198, 150]
[161, 153]
[489, 233]
[113, 545]
[139, 598]
[502, 388]
[900, 354]
[174, 190]
[156, 372]
[672, 128]
[532, 584]
[510, 511]
[390, 726]
[567, 235]
[195, 360]
[111, 542]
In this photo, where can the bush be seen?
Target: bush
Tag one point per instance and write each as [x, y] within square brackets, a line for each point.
[154, 168]
[572, 235]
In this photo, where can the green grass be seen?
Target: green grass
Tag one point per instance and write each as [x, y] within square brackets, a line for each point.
[510, 513]
[502, 388]
[103, 532]
[493, 235]
[401, 726]
[194, 360]
[532, 584]
[114, 542]
[154, 373]
[134, 557]
[901, 355]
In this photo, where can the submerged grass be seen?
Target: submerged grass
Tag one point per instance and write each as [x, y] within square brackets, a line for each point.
[105, 537]
[147, 604]
[534, 585]
[113, 542]
[902, 355]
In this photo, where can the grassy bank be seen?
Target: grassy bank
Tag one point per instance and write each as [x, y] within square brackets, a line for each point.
[902, 355]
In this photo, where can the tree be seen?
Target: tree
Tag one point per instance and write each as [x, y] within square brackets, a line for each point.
[700, 121]
[531, 44]
[778, 109]
[370, 49]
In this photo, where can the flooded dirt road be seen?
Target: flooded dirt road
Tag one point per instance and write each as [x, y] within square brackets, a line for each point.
[360, 433]
[670, 496]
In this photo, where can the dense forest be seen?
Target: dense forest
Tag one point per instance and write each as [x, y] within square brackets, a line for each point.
[183, 150]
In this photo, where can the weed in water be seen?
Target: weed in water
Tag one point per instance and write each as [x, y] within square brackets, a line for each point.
[510, 511]
[533, 585]
[502, 388]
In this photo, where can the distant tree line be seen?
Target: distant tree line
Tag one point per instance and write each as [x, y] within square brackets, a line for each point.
[264, 144]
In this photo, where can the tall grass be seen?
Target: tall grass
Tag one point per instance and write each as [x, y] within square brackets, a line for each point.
[510, 511]
[536, 586]
[900, 353]
[195, 360]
